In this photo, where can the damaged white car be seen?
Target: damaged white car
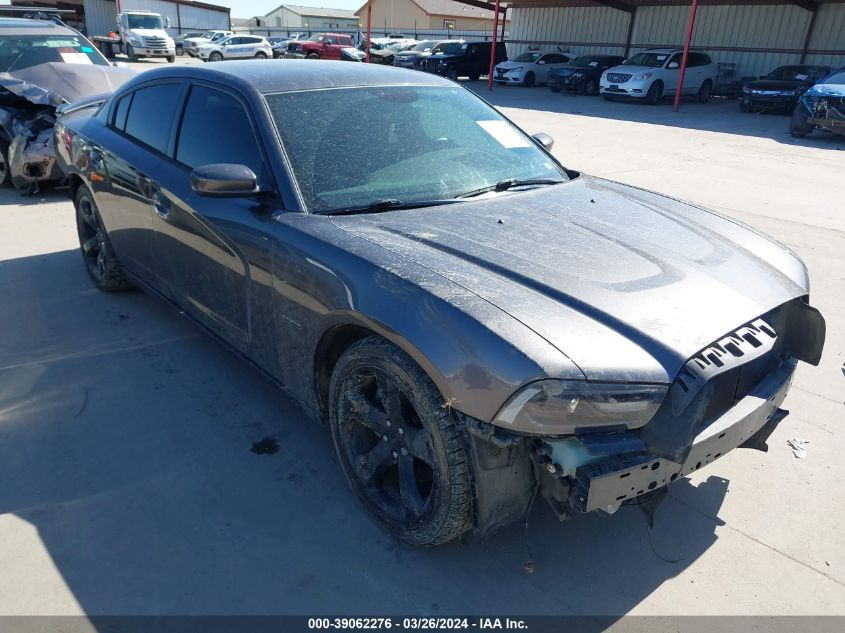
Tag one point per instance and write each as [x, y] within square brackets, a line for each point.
[42, 66]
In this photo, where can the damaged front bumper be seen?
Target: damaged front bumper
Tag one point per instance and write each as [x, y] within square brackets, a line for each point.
[609, 481]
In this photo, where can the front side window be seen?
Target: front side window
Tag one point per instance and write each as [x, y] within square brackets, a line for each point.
[434, 143]
[24, 51]
[149, 112]
[234, 142]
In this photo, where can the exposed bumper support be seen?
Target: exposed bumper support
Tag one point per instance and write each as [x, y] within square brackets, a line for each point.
[608, 483]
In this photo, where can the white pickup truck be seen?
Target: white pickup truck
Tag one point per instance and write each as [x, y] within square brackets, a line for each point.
[142, 34]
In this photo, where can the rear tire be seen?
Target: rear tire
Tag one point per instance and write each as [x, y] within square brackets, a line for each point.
[261, 55]
[705, 91]
[180, 51]
[399, 447]
[798, 126]
[101, 263]
[655, 92]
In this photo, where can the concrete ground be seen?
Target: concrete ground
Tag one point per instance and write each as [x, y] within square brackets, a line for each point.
[127, 483]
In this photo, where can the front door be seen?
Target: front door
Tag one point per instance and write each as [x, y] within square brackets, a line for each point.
[216, 251]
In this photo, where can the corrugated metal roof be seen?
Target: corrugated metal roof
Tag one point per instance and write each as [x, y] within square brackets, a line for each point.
[316, 12]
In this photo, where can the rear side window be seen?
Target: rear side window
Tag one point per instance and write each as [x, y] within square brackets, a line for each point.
[121, 111]
[216, 129]
[150, 111]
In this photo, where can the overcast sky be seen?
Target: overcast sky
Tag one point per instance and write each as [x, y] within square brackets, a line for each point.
[249, 8]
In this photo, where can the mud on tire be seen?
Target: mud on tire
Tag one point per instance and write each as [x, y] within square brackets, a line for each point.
[399, 447]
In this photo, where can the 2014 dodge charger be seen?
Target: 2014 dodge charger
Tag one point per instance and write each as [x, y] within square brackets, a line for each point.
[474, 320]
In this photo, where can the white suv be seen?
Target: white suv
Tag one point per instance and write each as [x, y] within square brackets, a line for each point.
[236, 47]
[191, 44]
[653, 74]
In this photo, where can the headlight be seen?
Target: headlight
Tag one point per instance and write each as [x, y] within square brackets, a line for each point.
[642, 77]
[557, 407]
[135, 40]
[576, 75]
[518, 69]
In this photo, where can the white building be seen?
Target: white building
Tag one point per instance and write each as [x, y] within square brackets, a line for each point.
[295, 16]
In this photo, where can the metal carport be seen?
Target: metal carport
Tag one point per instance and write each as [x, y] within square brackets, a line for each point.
[756, 35]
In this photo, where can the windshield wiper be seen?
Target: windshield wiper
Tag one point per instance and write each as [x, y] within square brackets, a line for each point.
[388, 204]
[510, 183]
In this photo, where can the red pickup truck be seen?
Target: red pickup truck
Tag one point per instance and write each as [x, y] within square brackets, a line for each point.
[322, 45]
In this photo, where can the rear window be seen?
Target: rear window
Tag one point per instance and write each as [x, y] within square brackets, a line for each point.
[150, 108]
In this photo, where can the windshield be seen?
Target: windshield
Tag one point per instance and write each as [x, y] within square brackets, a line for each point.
[316, 38]
[587, 61]
[528, 58]
[424, 46]
[454, 48]
[652, 60]
[144, 21]
[434, 143]
[24, 51]
[838, 77]
[791, 73]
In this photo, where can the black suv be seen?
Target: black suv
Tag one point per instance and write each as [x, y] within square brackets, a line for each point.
[464, 59]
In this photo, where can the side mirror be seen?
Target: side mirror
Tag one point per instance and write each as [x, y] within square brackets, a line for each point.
[673, 65]
[544, 139]
[224, 180]
[167, 21]
[541, 61]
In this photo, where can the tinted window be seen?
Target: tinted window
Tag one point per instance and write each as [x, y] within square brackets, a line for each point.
[151, 109]
[215, 129]
[121, 111]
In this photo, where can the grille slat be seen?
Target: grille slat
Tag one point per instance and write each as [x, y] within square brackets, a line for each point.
[618, 78]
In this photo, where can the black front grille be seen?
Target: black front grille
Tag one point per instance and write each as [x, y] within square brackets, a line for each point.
[618, 78]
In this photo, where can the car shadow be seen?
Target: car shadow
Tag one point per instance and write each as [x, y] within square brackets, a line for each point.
[164, 476]
[719, 115]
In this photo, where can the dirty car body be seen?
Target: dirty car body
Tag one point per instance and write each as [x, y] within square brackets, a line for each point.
[43, 65]
[548, 330]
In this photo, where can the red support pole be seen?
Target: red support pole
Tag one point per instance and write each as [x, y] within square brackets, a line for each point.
[369, 26]
[687, 42]
[493, 48]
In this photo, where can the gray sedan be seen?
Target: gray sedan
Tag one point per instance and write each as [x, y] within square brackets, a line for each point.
[474, 321]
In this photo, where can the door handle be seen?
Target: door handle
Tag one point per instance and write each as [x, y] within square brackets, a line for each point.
[161, 204]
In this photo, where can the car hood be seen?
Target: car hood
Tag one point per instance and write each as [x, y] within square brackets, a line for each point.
[512, 64]
[827, 90]
[626, 283]
[54, 83]
[775, 84]
[632, 70]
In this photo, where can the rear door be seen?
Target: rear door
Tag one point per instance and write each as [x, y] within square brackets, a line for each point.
[216, 251]
[141, 125]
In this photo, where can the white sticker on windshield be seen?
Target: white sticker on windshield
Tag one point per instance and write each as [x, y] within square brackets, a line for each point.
[504, 134]
[593, 64]
[801, 77]
[75, 58]
[660, 58]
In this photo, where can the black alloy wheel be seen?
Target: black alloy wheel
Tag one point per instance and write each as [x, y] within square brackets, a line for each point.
[100, 261]
[399, 448]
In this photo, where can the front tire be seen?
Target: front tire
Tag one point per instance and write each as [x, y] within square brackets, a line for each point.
[215, 57]
[798, 126]
[130, 53]
[5, 171]
[171, 59]
[101, 263]
[590, 87]
[529, 80]
[398, 446]
[655, 92]
[452, 73]
[312, 56]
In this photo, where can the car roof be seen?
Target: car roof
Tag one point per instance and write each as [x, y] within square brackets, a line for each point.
[11, 26]
[285, 75]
